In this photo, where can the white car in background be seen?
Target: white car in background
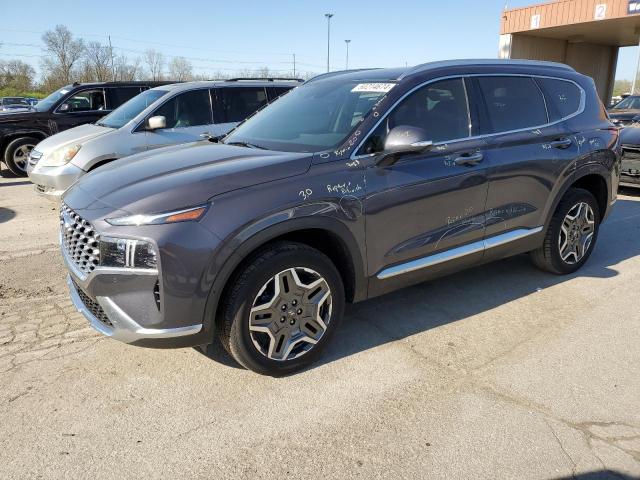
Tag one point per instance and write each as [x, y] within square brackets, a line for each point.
[159, 117]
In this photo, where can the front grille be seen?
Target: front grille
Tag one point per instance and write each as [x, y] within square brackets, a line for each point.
[79, 240]
[93, 306]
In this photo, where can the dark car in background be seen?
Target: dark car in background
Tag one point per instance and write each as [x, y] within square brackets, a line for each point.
[350, 186]
[630, 169]
[67, 107]
[624, 113]
[12, 104]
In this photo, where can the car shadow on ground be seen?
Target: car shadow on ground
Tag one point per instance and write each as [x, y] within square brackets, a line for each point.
[459, 296]
[599, 475]
[6, 214]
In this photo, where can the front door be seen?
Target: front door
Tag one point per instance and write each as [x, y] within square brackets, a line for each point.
[86, 106]
[425, 214]
[187, 115]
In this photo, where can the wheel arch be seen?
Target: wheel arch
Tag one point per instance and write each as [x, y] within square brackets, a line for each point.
[327, 235]
[593, 179]
[11, 136]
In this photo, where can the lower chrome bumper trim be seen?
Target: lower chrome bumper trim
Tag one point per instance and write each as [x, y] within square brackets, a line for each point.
[124, 329]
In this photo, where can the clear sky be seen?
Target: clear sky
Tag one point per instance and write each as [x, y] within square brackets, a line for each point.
[233, 35]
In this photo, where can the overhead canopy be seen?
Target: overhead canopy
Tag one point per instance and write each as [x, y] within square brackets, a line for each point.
[605, 22]
[585, 34]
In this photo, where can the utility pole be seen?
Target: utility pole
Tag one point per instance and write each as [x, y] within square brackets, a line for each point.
[294, 65]
[347, 42]
[328, 15]
[113, 73]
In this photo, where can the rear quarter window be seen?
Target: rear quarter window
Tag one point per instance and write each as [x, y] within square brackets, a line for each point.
[563, 97]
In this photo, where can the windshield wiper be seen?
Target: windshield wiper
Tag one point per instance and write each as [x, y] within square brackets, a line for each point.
[246, 144]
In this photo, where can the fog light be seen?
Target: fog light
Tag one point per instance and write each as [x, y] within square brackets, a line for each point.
[127, 253]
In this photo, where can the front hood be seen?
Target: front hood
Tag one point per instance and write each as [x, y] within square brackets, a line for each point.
[183, 175]
[15, 117]
[77, 135]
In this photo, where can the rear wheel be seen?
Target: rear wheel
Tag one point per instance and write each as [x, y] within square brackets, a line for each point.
[16, 155]
[282, 309]
[571, 235]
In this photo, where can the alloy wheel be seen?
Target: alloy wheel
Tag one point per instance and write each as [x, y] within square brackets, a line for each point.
[290, 313]
[576, 233]
[21, 156]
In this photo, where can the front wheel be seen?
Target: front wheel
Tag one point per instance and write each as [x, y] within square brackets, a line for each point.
[282, 309]
[572, 234]
[16, 155]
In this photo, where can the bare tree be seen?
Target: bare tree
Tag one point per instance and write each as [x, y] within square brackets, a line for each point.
[124, 70]
[16, 74]
[180, 69]
[98, 61]
[154, 61]
[63, 54]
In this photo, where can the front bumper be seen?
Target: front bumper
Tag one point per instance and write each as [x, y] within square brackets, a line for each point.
[52, 182]
[106, 317]
[106, 295]
[630, 168]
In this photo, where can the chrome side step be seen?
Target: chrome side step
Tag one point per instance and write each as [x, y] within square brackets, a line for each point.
[458, 252]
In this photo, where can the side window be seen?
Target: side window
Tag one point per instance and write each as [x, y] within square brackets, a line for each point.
[563, 97]
[188, 109]
[275, 92]
[512, 103]
[117, 96]
[86, 101]
[440, 109]
[237, 103]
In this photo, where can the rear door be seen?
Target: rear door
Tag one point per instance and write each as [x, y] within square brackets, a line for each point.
[234, 104]
[116, 96]
[523, 148]
[188, 116]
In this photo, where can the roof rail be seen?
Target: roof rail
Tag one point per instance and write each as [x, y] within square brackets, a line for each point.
[339, 72]
[452, 63]
[266, 79]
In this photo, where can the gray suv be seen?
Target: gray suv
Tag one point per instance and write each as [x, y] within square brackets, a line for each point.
[352, 185]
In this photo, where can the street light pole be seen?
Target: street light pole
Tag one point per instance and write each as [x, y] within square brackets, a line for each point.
[328, 15]
[347, 43]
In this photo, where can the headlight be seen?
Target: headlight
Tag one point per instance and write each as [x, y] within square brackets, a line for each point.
[126, 253]
[184, 215]
[60, 157]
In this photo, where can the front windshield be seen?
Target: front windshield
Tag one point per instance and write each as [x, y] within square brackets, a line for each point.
[311, 118]
[629, 103]
[130, 109]
[46, 103]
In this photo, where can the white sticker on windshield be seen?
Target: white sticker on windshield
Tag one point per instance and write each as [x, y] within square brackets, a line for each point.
[373, 87]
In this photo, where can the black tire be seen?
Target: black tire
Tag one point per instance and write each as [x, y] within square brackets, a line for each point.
[16, 165]
[548, 257]
[233, 326]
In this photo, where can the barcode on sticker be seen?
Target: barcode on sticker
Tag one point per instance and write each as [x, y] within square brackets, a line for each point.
[373, 87]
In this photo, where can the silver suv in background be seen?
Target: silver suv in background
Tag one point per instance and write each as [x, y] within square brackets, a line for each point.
[159, 117]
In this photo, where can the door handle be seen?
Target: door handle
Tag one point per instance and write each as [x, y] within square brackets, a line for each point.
[562, 143]
[469, 160]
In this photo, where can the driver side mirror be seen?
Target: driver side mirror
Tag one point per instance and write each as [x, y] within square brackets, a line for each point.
[403, 139]
[156, 123]
[65, 107]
